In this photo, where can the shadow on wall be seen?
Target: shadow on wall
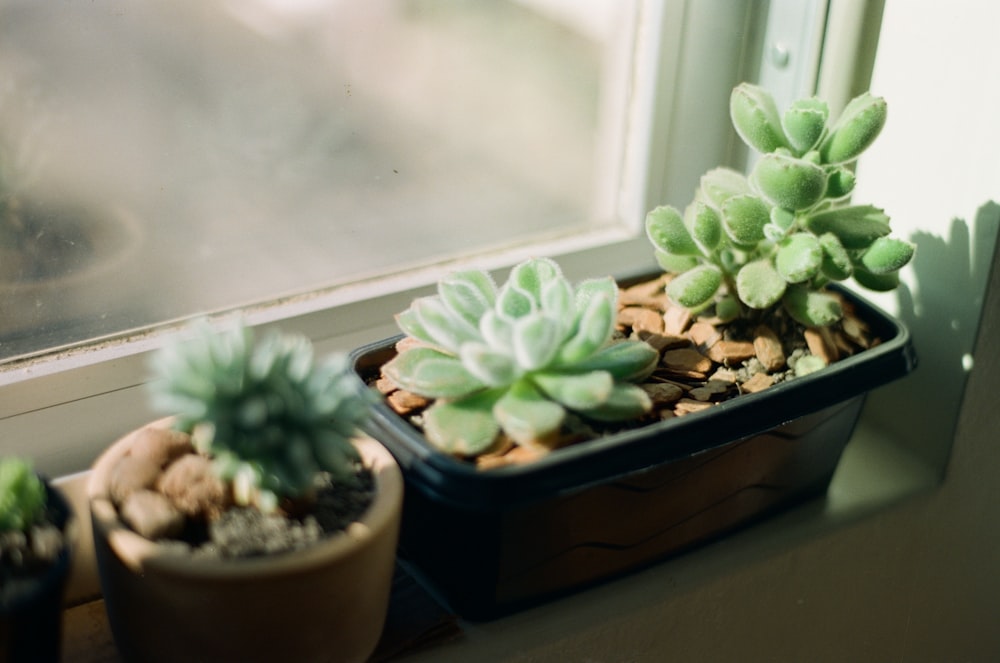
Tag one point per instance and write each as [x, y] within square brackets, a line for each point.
[942, 312]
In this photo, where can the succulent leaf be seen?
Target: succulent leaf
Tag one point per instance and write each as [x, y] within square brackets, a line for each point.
[497, 331]
[576, 391]
[696, 286]
[787, 182]
[530, 276]
[799, 257]
[876, 282]
[759, 285]
[513, 302]
[839, 184]
[468, 295]
[595, 289]
[558, 300]
[440, 327]
[592, 333]
[804, 123]
[627, 401]
[744, 218]
[673, 263]
[755, 117]
[706, 226]
[719, 185]
[407, 321]
[527, 415]
[537, 339]
[836, 261]
[811, 308]
[887, 255]
[856, 227]
[432, 373]
[625, 361]
[857, 127]
[464, 427]
[491, 367]
[782, 218]
[667, 231]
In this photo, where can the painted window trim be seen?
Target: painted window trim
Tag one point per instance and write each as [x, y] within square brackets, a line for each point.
[63, 407]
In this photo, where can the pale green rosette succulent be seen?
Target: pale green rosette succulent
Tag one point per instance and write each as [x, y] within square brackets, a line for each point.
[518, 358]
[777, 237]
[270, 416]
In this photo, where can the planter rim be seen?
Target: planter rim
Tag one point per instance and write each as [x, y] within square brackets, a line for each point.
[137, 552]
[576, 466]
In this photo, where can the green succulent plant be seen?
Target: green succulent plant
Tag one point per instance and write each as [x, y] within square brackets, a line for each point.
[270, 416]
[518, 358]
[777, 237]
[22, 495]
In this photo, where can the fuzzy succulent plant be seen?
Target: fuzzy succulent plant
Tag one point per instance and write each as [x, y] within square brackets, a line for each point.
[269, 414]
[777, 237]
[22, 495]
[516, 359]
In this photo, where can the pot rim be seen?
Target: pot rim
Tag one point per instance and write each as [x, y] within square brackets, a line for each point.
[631, 450]
[139, 553]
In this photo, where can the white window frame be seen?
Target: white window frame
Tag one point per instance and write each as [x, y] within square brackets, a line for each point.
[64, 407]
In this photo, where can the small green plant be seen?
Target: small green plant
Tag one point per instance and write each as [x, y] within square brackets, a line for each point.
[778, 237]
[516, 359]
[22, 495]
[270, 416]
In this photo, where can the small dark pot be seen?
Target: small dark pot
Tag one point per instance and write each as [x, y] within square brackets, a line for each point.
[495, 541]
[31, 622]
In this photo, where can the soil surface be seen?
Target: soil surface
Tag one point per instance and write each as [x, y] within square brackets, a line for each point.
[246, 532]
[168, 492]
[703, 361]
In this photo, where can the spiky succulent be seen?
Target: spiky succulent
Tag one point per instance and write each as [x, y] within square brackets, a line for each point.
[22, 495]
[777, 237]
[518, 358]
[271, 416]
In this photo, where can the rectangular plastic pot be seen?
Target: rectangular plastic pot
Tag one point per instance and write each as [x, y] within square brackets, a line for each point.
[491, 542]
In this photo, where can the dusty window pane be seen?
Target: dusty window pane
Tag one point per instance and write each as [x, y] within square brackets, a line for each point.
[162, 159]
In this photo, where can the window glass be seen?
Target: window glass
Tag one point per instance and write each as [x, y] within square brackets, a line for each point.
[161, 159]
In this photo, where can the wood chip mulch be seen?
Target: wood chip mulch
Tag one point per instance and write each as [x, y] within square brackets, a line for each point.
[703, 361]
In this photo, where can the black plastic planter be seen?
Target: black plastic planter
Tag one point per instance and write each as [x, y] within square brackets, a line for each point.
[31, 621]
[495, 541]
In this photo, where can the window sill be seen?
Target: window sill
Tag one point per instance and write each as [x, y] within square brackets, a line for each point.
[875, 472]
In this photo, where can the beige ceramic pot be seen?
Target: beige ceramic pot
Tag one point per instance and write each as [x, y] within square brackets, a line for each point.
[324, 603]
